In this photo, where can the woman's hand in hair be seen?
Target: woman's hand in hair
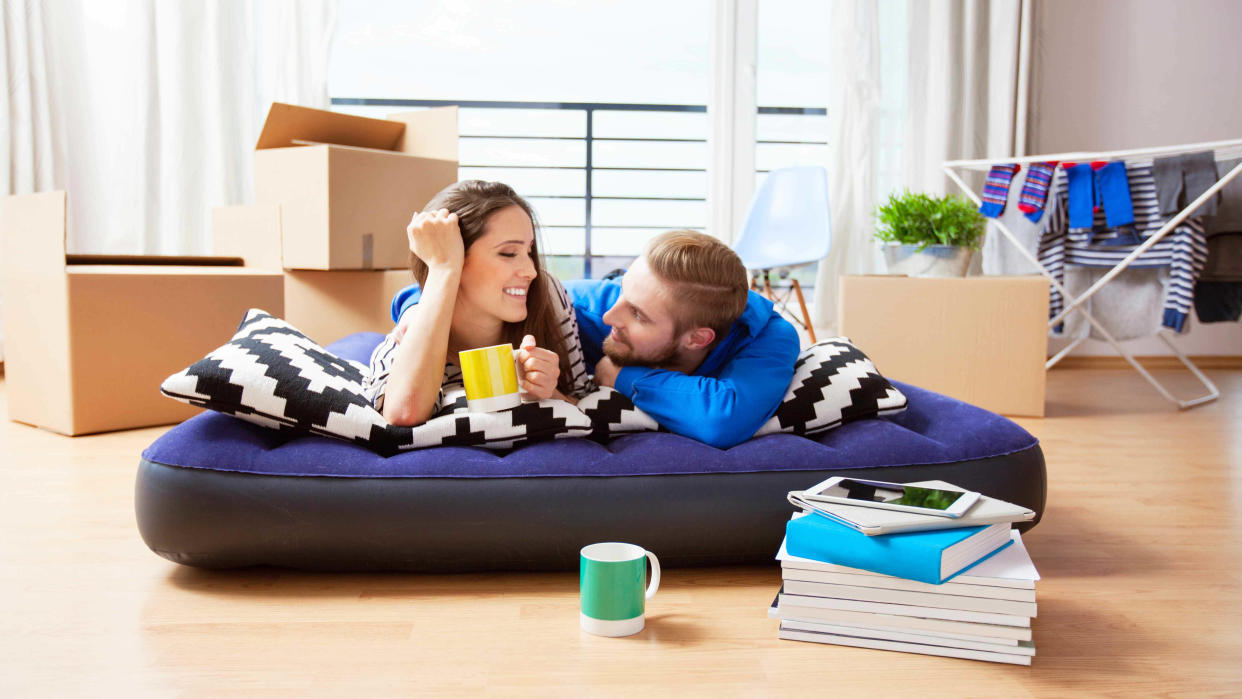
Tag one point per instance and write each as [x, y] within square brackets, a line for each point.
[436, 239]
[540, 368]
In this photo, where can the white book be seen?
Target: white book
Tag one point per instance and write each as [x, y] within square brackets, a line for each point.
[1009, 567]
[906, 623]
[1015, 648]
[858, 578]
[1011, 658]
[924, 599]
[869, 631]
[850, 605]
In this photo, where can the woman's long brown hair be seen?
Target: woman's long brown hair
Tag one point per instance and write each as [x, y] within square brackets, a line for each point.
[474, 201]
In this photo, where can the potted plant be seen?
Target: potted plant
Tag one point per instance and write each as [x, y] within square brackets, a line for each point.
[928, 236]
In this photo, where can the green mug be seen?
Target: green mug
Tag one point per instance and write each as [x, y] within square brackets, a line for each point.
[611, 577]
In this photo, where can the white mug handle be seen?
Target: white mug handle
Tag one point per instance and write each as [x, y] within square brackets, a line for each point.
[655, 574]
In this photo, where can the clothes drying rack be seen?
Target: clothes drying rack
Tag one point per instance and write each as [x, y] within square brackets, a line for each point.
[1222, 149]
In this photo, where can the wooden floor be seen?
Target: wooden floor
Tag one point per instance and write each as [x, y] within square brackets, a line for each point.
[1140, 551]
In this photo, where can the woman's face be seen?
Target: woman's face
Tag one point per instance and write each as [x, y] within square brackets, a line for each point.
[499, 267]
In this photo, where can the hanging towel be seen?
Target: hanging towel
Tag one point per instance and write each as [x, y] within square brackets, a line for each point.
[1229, 213]
[1129, 306]
[1224, 258]
[1218, 293]
[1180, 179]
[998, 255]
[1183, 250]
[1218, 302]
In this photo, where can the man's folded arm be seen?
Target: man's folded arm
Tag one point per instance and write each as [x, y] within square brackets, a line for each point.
[720, 411]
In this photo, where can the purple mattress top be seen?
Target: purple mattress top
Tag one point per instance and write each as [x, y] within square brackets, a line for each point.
[934, 429]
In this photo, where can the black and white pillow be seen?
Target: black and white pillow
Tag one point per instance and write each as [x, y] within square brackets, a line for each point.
[833, 383]
[533, 421]
[613, 414]
[272, 375]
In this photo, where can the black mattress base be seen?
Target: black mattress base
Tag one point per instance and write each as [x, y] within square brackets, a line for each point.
[227, 519]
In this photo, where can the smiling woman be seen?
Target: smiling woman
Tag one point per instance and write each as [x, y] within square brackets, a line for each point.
[474, 253]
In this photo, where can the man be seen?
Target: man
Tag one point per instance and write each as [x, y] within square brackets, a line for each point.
[685, 339]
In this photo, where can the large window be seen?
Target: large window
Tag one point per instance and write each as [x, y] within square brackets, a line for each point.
[792, 57]
[791, 91]
[596, 112]
[791, 72]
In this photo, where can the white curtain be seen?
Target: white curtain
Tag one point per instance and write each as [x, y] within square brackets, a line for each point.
[33, 161]
[853, 111]
[963, 90]
[963, 82]
[960, 83]
[162, 103]
[295, 42]
[155, 106]
[26, 105]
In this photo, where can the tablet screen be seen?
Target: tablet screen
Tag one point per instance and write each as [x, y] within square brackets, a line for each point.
[894, 494]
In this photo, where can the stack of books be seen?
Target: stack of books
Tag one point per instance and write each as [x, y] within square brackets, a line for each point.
[963, 592]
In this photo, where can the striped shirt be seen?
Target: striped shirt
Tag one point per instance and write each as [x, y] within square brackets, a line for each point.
[376, 381]
[1183, 250]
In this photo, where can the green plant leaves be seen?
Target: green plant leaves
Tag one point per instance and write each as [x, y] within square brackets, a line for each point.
[919, 219]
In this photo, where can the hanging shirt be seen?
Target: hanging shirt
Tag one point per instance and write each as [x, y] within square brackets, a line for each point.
[1183, 250]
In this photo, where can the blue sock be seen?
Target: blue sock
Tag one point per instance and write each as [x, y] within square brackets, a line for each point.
[1081, 185]
[996, 189]
[1114, 189]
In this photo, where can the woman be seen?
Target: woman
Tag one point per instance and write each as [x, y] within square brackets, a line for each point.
[474, 254]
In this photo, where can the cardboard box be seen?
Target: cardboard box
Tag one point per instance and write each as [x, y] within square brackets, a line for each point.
[348, 185]
[983, 340]
[325, 305]
[89, 339]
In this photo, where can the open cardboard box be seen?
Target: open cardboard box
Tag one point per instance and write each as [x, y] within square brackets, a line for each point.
[983, 340]
[89, 338]
[348, 185]
[325, 305]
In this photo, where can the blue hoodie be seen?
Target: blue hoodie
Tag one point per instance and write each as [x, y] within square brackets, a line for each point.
[734, 391]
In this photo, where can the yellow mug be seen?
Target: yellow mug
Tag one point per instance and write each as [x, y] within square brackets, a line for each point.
[490, 375]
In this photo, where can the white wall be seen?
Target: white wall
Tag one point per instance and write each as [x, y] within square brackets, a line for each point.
[1112, 74]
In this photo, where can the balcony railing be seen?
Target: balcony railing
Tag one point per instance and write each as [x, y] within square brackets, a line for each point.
[606, 177]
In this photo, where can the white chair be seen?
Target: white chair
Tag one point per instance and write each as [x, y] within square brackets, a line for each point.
[786, 227]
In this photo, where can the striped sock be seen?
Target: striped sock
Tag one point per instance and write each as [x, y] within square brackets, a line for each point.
[996, 189]
[1035, 190]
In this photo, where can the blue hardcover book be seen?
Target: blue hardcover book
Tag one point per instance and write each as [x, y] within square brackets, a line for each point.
[928, 556]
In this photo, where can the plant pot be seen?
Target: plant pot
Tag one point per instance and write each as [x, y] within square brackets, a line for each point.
[931, 261]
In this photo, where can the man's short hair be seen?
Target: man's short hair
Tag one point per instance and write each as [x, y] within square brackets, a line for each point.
[708, 283]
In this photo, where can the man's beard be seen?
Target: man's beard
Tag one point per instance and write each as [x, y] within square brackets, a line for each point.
[622, 354]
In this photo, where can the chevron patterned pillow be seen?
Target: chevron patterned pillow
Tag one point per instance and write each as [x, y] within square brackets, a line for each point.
[272, 375]
[613, 414]
[833, 383]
